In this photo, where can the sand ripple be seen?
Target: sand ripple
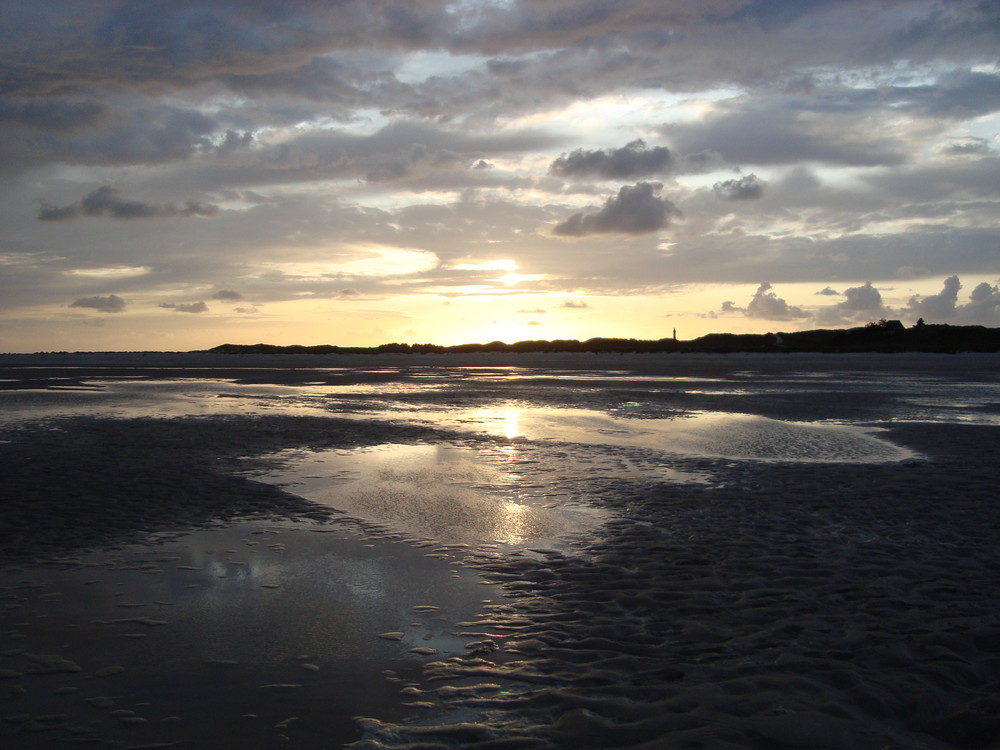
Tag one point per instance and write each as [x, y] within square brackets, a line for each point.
[797, 607]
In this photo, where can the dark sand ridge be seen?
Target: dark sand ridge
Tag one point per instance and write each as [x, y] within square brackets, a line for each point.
[803, 606]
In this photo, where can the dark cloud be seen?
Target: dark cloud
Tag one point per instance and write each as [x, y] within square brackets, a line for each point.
[767, 305]
[944, 182]
[968, 146]
[124, 129]
[748, 188]
[109, 304]
[828, 292]
[788, 130]
[635, 210]
[834, 124]
[402, 149]
[62, 45]
[683, 43]
[227, 295]
[108, 201]
[634, 159]
[189, 307]
[958, 94]
[233, 142]
[319, 79]
[56, 115]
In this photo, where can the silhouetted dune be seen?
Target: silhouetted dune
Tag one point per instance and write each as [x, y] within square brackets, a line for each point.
[882, 336]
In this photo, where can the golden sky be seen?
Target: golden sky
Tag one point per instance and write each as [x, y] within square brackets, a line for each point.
[177, 175]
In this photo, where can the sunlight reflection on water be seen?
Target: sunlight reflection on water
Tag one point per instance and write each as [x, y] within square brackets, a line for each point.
[701, 434]
[443, 492]
[531, 481]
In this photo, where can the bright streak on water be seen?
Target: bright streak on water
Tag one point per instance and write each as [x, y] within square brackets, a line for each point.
[444, 492]
[701, 435]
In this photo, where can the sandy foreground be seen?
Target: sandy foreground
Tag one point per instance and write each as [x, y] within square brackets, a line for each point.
[152, 594]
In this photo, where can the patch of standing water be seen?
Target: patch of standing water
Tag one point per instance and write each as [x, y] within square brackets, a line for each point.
[697, 435]
[444, 492]
[544, 479]
[740, 436]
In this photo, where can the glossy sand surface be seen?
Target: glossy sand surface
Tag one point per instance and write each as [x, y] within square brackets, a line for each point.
[699, 551]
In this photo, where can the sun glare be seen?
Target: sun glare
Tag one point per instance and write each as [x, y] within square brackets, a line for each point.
[489, 265]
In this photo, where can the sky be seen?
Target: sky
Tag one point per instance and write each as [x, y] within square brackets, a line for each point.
[176, 175]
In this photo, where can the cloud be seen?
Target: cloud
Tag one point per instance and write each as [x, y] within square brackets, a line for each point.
[983, 307]
[766, 305]
[635, 210]
[864, 298]
[984, 304]
[843, 140]
[828, 292]
[227, 295]
[536, 311]
[52, 115]
[746, 188]
[108, 201]
[940, 305]
[110, 304]
[574, 304]
[968, 146]
[773, 130]
[191, 307]
[860, 303]
[634, 159]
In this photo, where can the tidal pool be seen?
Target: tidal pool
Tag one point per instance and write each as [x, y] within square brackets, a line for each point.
[533, 476]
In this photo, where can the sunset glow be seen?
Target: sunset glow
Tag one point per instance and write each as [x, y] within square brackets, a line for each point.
[324, 174]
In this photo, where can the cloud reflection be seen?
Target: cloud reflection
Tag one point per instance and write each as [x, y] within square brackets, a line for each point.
[433, 491]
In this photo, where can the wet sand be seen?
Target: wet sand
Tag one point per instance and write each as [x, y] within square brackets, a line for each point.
[782, 605]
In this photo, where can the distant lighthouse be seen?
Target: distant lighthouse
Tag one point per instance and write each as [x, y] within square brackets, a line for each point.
[675, 334]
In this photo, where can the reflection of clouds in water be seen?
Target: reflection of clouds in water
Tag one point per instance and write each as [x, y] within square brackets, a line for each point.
[437, 491]
[420, 505]
[708, 434]
[750, 437]
[452, 471]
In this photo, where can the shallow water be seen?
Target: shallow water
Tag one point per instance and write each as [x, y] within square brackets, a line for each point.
[221, 635]
[515, 463]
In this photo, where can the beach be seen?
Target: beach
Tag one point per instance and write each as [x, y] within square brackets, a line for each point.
[642, 551]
